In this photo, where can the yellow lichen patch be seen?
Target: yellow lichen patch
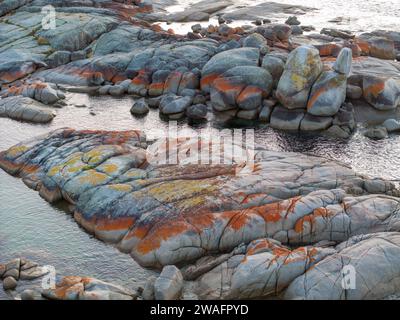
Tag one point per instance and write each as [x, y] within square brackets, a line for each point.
[135, 173]
[109, 168]
[78, 168]
[190, 203]
[299, 81]
[17, 150]
[121, 187]
[74, 159]
[97, 154]
[175, 190]
[93, 177]
[54, 170]
[42, 41]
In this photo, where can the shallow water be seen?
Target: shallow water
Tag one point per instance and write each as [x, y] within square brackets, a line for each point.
[47, 234]
[357, 16]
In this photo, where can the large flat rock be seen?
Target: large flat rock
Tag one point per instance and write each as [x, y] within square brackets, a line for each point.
[168, 214]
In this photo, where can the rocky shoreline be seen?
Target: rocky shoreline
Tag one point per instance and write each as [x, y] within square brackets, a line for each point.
[274, 74]
[294, 212]
[287, 229]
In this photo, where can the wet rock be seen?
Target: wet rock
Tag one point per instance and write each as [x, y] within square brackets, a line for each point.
[345, 118]
[174, 104]
[197, 112]
[392, 125]
[286, 119]
[25, 109]
[265, 112]
[169, 284]
[196, 28]
[353, 92]
[301, 70]
[338, 132]
[80, 105]
[104, 90]
[292, 21]
[376, 133]
[140, 107]
[9, 283]
[116, 90]
[199, 99]
[315, 123]
[327, 94]
[251, 114]
[154, 102]
[381, 93]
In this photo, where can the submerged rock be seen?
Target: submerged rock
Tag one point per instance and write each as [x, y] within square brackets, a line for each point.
[140, 107]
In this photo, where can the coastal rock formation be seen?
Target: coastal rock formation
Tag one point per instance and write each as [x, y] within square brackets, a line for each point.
[123, 198]
[65, 288]
[19, 269]
[25, 109]
[268, 268]
[37, 90]
[85, 288]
